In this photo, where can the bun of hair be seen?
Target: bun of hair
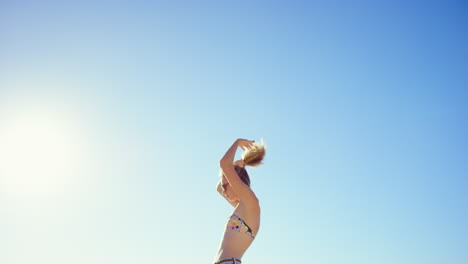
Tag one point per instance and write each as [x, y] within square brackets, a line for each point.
[254, 155]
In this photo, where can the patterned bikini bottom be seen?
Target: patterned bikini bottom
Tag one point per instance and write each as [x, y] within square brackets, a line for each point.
[228, 261]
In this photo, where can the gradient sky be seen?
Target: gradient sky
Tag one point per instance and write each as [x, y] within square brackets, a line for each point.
[114, 115]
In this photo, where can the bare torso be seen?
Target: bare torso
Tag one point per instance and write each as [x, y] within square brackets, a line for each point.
[234, 243]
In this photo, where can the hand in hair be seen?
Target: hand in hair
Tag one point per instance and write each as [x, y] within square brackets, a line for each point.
[245, 144]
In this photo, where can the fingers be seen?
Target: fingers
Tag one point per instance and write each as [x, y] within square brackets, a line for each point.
[245, 144]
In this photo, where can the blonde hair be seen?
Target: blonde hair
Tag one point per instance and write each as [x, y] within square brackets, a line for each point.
[251, 157]
[254, 156]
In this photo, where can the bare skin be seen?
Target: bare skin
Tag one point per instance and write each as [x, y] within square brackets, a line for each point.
[235, 244]
[243, 199]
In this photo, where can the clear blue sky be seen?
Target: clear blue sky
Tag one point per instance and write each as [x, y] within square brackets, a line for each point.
[114, 115]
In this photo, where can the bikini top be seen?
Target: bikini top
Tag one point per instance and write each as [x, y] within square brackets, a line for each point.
[236, 223]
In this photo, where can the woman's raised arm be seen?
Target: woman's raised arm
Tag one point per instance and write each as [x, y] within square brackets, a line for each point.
[244, 144]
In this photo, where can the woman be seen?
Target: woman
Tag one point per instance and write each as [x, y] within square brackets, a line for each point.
[243, 225]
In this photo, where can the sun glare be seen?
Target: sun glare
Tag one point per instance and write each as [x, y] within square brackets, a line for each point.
[38, 155]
